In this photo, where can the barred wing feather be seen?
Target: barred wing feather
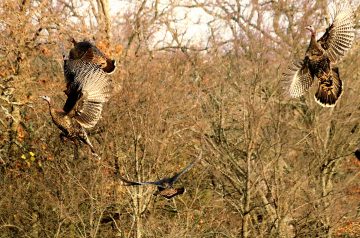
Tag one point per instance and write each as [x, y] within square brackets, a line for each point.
[339, 36]
[95, 88]
[299, 77]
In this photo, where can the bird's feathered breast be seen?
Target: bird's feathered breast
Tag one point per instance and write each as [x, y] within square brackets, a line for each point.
[318, 65]
[168, 193]
[60, 119]
[314, 51]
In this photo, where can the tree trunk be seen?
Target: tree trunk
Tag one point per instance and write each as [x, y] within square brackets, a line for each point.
[246, 219]
[104, 10]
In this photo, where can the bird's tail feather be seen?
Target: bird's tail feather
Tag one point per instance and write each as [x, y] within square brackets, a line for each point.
[329, 89]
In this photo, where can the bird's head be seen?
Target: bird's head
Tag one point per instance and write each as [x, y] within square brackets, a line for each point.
[311, 29]
[46, 98]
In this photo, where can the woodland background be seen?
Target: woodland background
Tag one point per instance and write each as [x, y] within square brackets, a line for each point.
[271, 166]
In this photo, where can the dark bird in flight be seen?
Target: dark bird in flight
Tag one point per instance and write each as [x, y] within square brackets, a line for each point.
[93, 88]
[320, 58]
[165, 186]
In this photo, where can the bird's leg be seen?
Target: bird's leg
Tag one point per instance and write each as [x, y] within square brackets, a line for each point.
[85, 139]
[64, 138]
[99, 130]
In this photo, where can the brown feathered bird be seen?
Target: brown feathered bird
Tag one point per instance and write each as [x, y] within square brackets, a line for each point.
[83, 53]
[320, 58]
[92, 89]
[165, 186]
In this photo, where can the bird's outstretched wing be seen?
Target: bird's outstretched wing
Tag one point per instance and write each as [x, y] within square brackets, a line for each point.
[89, 91]
[85, 52]
[339, 36]
[299, 77]
[88, 52]
[174, 178]
[165, 182]
[133, 183]
[72, 69]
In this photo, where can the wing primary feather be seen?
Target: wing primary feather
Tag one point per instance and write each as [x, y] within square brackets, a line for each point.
[299, 78]
[96, 88]
[187, 168]
[340, 35]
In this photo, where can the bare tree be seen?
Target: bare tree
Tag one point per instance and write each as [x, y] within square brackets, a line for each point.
[272, 166]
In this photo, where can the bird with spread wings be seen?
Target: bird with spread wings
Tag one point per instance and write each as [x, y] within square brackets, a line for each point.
[91, 87]
[83, 53]
[321, 57]
[165, 186]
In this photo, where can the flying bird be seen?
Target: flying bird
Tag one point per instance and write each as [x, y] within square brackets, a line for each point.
[93, 88]
[321, 57]
[83, 53]
[88, 52]
[165, 186]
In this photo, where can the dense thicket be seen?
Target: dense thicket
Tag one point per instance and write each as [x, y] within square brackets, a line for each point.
[272, 166]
